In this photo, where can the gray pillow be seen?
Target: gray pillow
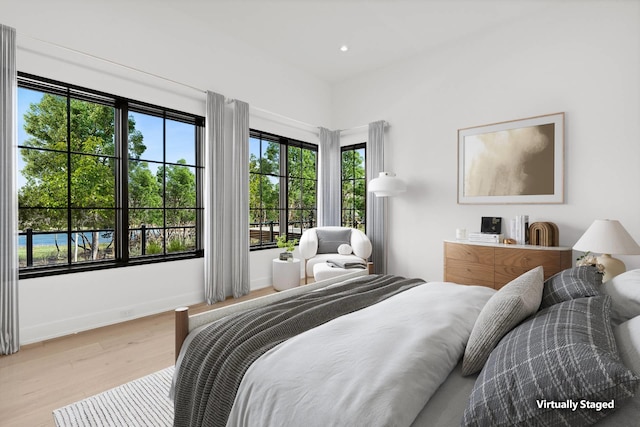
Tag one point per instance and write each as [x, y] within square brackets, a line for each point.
[577, 282]
[565, 353]
[513, 303]
[330, 238]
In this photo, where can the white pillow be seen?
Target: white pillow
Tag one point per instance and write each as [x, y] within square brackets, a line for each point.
[628, 341]
[344, 249]
[624, 290]
[513, 303]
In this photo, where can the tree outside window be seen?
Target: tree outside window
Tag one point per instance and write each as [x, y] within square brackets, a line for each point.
[354, 187]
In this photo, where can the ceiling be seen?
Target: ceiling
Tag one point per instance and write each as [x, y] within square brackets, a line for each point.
[308, 34]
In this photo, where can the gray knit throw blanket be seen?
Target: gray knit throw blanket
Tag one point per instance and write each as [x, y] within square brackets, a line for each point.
[220, 354]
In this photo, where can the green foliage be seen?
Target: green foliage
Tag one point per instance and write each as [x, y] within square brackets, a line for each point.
[153, 248]
[288, 245]
[176, 246]
[145, 192]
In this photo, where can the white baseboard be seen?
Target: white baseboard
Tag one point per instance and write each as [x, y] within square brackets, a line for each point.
[73, 325]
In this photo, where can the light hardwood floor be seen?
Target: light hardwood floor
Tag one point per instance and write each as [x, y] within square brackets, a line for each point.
[45, 376]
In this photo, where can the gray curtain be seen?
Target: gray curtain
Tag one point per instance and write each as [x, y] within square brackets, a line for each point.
[214, 199]
[329, 179]
[226, 196]
[239, 216]
[376, 205]
[9, 331]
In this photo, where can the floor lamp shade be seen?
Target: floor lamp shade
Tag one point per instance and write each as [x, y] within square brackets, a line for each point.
[608, 237]
[386, 184]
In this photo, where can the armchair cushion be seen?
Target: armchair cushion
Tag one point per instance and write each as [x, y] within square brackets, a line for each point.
[329, 239]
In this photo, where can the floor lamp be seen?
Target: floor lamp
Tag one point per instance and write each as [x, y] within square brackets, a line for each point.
[386, 185]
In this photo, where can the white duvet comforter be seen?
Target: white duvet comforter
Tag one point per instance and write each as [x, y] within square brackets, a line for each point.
[375, 367]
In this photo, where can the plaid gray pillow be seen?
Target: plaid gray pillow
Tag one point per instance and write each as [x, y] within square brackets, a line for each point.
[577, 282]
[564, 355]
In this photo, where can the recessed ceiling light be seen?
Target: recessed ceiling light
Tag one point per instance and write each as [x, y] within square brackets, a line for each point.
[344, 48]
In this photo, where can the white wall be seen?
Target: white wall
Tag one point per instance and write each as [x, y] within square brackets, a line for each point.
[582, 58]
[59, 305]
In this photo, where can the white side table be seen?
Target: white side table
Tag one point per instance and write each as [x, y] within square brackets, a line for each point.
[286, 274]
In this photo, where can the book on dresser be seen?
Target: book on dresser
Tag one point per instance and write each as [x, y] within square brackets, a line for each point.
[486, 237]
[496, 264]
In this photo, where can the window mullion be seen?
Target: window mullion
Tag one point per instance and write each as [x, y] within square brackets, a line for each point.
[69, 172]
[122, 182]
[284, 189]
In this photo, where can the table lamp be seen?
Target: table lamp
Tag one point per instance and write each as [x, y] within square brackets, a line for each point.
[608, 236]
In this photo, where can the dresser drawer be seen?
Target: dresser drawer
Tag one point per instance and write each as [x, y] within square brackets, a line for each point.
[471, 253]
[469, 273]
[513, 262]
[505, 273]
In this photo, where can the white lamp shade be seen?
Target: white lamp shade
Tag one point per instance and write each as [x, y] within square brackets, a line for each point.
[386, 184]
[607, 236]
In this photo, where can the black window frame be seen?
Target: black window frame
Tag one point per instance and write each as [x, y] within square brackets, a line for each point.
[121, 230]
[352, 179]
[283, 174]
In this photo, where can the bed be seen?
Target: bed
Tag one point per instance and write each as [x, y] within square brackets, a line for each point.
[386, 350]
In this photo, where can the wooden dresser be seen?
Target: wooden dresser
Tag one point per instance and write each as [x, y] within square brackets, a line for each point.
[495, 265]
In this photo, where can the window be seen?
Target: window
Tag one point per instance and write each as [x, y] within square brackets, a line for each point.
[354, 187]
[79, 196]
[282, 188]
[162, 188]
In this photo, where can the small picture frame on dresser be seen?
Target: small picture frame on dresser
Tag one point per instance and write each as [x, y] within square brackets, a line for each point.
[491, 225]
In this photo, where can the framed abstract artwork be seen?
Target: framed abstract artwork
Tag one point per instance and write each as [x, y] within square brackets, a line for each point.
[519, 161]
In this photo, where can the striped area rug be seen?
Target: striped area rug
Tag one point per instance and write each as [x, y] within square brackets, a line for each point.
[140, 403]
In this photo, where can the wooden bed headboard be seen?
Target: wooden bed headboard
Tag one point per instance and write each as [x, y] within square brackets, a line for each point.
[185, 323]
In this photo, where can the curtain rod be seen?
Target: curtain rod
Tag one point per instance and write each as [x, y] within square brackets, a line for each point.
[109, 61]
[157, 76]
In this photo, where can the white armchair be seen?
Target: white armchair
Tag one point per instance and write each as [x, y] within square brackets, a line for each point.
[320, 244]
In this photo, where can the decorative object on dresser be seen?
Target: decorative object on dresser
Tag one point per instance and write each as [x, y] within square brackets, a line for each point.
[520, 229]
[544, 234]
[491, 224]
[519, 161]
[495, 265]
[608, 237]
